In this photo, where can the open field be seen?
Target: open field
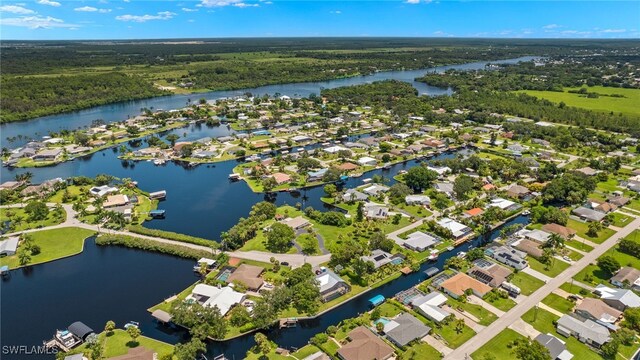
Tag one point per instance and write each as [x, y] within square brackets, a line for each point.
[626, 105]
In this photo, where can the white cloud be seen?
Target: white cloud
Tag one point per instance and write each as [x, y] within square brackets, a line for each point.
[36, 22]
[92, 9]
[613, 31]
[191, 20]
[222, 3]
[14, 9]
[86, 9]
[417, 1]
[163, 15]
[551, 26]
[189, 10]
[337, 12]
[49, 2]
[126, 0]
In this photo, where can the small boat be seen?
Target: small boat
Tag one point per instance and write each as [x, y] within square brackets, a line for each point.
[158, 162]
[234, 177]
[4, 271]
[367, 180]
[355, 175]
[433, 256]
[450, 248]
[132, 324]
[386, 166]
[526, 212]
[462, 254]
[300, 149]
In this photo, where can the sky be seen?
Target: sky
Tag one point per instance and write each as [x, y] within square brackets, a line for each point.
[148, 19]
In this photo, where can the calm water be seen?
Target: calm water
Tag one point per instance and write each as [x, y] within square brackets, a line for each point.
[39, 127]
[119, 284]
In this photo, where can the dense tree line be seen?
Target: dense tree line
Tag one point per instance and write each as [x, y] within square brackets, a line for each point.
[381, 93]
[28, 97]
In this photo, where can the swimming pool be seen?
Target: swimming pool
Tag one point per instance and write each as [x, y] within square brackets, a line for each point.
[383, 321]
[224, 275]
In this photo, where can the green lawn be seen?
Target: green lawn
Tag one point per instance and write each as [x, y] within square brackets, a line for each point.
[576, 289]
[627, 105]
[559, 303]
[305, 351]
[582, 229]
[119, 343]
[389, 309]
[485, 316]
[54, 244]
[579, 245]
[527, 283]
[453, 338]
[415, 210]
[621, 220]
[541, 320]
[421, 351]
[499, 346]
[20, 219]
[502, 303]
[553, 270]
[598, 276]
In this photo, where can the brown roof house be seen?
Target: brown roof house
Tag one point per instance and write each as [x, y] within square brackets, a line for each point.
[627, 277]
[565, 232]
[365, 345]
[248, 275]
[597, 310]
[530, 247]
[457, 285]
[281, 178]
[518, 191]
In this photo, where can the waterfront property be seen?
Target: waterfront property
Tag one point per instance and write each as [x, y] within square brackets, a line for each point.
[405, 328]
[364, 345]
[224, 298]
[331, 285]
[457, 285]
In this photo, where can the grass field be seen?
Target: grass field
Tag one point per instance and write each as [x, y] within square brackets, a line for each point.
[119, 343]
[527, 283]
[553, 270]
[559, 303]
[19, 218]
[582, 229]
[54, 244]
[627, 105]
[598, 276]
[499, 346]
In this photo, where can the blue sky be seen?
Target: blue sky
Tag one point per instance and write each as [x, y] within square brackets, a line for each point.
[140, 19]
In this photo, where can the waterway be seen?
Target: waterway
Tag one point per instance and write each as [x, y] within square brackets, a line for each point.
[36, 128]
[119, 284]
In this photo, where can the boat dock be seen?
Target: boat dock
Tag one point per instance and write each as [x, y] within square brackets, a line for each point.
[288, 323]
[157, 214]
[158, 195]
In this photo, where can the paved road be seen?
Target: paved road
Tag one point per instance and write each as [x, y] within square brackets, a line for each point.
[294, 260]
[516, 313]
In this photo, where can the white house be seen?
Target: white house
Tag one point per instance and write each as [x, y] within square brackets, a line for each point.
[224, 298]
[367, 161]
[457, 229]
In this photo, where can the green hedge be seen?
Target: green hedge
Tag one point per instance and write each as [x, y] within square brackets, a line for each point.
[150, 245]
[172, 236]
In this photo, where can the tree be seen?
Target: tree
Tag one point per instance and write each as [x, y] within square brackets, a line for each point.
[379, 327]
[419, 178]
[24, 256]
[462, 186]
[459, 325]
[306, 164]
[594, 227]
[263, 343]
[632, 318]
[398, 191]
[608, 264]
[134, 333]
[239, 316]
[269, 184]
[475, 254]
[360, 212]
[555, 241]
[109, 327]
[379, 241]
[279, 237]
[531, 350]
[332, 175]
[610, 349]
[37, 210]
[330, 189]
[264, 209]
[186, 150]
[172, 138]
[189, 350]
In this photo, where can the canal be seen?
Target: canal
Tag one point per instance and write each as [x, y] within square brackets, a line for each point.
[119, 284]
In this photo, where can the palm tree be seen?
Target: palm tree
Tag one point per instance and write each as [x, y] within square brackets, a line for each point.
[459, 325]
[555, 241]
[24, 177]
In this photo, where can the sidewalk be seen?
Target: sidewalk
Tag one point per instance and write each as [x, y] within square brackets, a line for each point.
[476, 300]
[524, 329]
[437, 345]
[536, 274]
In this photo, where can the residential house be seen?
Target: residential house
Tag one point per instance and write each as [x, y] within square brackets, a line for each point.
[446, 188]
[627, 277]
[376, 211]
[378, 257]
[419, 241]
[597, 310]
[316, 175]
[331, 285]
[587, 214]
[100, 191]
[405, 328]
[529, 247]
[504, 204]
[489, 272]
[115, 200]
[557, 348]
[508, 256]
[354, 195]
[347, 166]
[48, 154]
[518, 191]
[536, 235]
[364, 345]
[247, 275]
[281, 178]
[224, 298]
[440, 170]
[457, 285]
[10, 185]
[457, 229]
[375, 189]
[472, 213]
[565, 232]
[367, 161]
[297, 223]
[620, 299]
[587, 171]
[587, 331]
[9, 246]
[430, 306]
[422, 200]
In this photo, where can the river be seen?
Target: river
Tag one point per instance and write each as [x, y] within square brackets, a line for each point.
[119, 284]
[36, 128]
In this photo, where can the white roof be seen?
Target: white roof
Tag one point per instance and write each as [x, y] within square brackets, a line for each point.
[456, 228]
[366, 159]
[627, 297]
[9, 245]
[224, 298]
[501, 203]
[207, 261]
[417, 198]
[430, 305]
[441, 170]
[419, 239]
[335, 149]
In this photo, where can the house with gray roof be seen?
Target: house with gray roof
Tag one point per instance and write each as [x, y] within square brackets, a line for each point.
[587, 331]
[557, 348]
[620, 299]
[378, 258]
[354, 195]
[9, 247]
[430, 306]
[419, 241]
[404, 329]
[331, 285]
[588, 214]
